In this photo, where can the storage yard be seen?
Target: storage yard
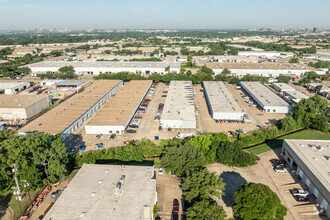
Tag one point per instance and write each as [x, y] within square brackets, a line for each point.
[117, 113]
[69, 115]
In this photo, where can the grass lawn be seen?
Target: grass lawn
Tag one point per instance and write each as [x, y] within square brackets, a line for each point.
[305, 134]
[9, 199]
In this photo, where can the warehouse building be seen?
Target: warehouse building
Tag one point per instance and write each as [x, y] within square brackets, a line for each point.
[310, 161]
[22, 107]
[266, 54]
[96, 68]
[282, 87]
[70, 114]
[179, 107]
[221, 103]
[116, 114]
[294, 96]
[234, 59]
[13, 87]
[105, 192]
[263, 69]
[267, 100]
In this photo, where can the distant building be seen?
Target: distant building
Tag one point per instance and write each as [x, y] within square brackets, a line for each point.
[13, 87]
[4, 62]
[105, 192]
[234, 59]
[265, 54]
[96, 68]
[309, 159]
[316, 30]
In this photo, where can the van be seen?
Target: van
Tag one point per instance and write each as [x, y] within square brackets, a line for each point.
[197, 108]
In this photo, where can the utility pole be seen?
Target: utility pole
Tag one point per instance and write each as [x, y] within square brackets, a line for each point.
[15, 177]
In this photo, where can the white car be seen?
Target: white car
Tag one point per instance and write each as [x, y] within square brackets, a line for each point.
[300, 192]
[280, 170]
[160, 171]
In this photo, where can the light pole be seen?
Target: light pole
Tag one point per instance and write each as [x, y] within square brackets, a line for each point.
[26, 185]
[18, 198]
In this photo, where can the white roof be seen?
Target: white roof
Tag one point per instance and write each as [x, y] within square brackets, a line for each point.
[314, 154]
[179, 104]
[12, 85]
[93, 194]
[283, 87]
[220, 98]
[263, 94]
[296, 94]
[104, 64]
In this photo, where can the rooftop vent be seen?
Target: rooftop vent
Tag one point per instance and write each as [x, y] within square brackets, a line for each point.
[100, 181]
[93, 194]
[106, 171]
[82, 214]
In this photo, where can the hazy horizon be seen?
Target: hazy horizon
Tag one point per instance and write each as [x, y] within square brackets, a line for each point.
[165, 14]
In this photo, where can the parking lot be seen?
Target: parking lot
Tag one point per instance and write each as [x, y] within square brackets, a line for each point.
[280, 183]
[168, 189]
[258, 118]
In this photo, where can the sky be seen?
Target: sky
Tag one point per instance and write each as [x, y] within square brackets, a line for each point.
[163, 14]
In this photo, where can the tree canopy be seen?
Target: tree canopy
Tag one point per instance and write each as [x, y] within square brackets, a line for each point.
[257, 201]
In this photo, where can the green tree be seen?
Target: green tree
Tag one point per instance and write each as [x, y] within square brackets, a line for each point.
[201, 185]
[182, 160]
[304, 81]
[257, 201]
[294, 60]
[226, 71]
[318, 89]
[206, 209]
[283, 79]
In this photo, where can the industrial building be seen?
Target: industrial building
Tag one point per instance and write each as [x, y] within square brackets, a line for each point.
[22, 107]
[266, 54]
[309, 159]
[70, 114]
[294, 96]
[221, 104]
[267, 100]
[263, 69]
[116, 114]
[282, 87]
[105, 192]
[179, 107]
[98, 67]
[234, 59]
[13, 87]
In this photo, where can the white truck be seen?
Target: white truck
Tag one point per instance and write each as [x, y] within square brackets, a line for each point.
[185, 135]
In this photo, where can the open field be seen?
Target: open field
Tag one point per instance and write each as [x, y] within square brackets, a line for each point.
[276, 143]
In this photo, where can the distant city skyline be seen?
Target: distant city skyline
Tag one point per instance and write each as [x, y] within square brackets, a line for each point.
[163, 14]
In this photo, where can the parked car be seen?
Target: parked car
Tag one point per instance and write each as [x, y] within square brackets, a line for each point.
[138, 116]
[131, 131]
[175, 205]
[169, 129]
[133, 126]
[160, 128]
[164, 95]
[148, 100]
[98, 136]
[159, 112]
[246, 97]
[157, 218]
[300, 192]
[280, 169]
[112, 136]
[160, 171]
[253, 105]
[175, 216]
[278, 162]
[301, 198]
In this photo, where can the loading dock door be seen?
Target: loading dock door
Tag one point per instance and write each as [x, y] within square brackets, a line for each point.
[308, 182]
[315, 192]
[325, 204]
[301, 174]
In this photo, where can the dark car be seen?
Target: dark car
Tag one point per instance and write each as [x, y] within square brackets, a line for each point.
[147, 100]
[278, 162]
[112, 136]
[133, 126]
[160, 128]
[301, 199]
[98, 136]
[138, 116]
[131, 131]
[175, 216]
[175, 205]
[144, 105]
[164, 95]
[157, 218]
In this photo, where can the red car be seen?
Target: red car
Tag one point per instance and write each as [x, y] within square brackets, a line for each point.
[175, 205]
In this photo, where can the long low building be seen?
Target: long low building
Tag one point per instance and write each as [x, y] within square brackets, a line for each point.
[221, 103]
[22, 107]
[179, 108]
[282, 87]
[119, 110]
[70, 114]
[265, 53]
[234, 59]
[294, 96]
[309, 159]
[105, 192]
[262, 69]
[13, 87]
[98, 67]
[268, 101]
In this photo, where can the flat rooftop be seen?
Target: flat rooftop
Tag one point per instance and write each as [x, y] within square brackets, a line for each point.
[104, 64]
[69, 83]
[10, 85]
[234, 57]
[314, 154]
[92, 193]
[263, 94]
[179, 104]
[284, 87]
[20, 101]
[297, 94]
[262, 66]
[220, 98]
[62, 116]
[118, 109]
